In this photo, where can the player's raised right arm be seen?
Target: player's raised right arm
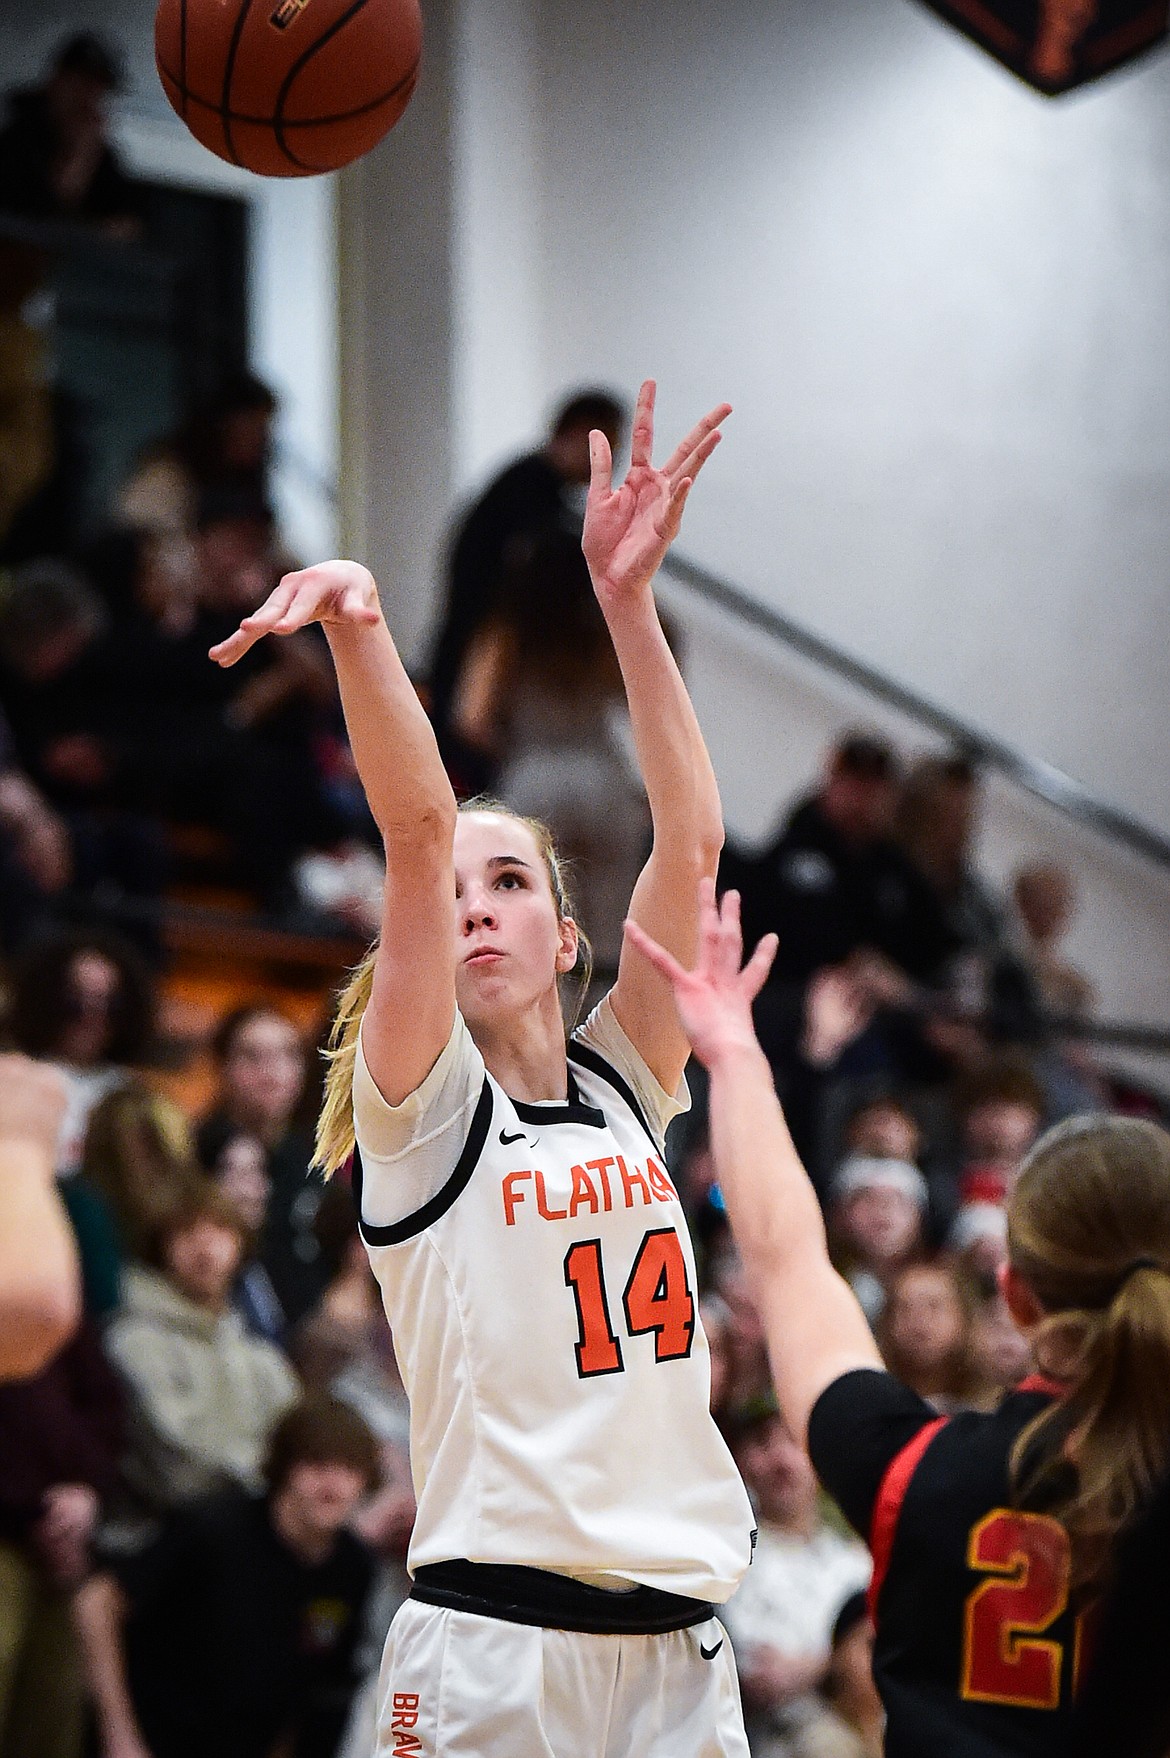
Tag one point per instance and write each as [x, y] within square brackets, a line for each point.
[412, 1006]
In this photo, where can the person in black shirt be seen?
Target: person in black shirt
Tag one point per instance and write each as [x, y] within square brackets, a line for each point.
[534, 493]
[991, 1534]
[830, 885]
[235, 1631]
[56, 161]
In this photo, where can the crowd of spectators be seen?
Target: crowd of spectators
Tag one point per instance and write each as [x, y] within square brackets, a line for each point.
[222, 1447]
[205, 1499]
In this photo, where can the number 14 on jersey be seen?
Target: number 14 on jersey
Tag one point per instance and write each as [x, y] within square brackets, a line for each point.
[657, 1299]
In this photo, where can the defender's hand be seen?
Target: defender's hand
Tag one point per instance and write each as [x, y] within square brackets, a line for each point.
[714, 1000]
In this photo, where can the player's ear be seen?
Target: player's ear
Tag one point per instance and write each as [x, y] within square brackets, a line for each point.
[1022, 1303]
[570, 941]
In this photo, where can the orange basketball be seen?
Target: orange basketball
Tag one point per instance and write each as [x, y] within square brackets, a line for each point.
[288, 88]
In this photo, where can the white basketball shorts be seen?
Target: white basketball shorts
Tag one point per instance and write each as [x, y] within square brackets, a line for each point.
[457, 1685]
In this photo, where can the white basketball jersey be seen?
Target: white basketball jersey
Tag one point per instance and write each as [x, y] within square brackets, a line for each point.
[545, 1319]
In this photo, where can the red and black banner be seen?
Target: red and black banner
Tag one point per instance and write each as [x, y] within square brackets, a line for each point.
[1058, 44]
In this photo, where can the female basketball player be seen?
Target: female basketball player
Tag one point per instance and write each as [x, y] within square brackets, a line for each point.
[990, 1533]
[578, 1513]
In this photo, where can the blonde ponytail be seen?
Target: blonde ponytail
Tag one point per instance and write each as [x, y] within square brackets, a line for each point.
[335, 1137]
[1089, 1231]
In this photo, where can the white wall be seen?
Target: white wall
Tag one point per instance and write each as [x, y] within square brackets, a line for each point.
[292, 267]
[938, 302]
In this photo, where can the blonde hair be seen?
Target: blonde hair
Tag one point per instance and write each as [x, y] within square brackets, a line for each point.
[1089, 1232]
[335, 1136]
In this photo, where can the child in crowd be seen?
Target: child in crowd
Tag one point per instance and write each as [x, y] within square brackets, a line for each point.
[1001, 1112]
[237, 1630]
[999, 1355]
[140, 1156]
[205, 1394]
[925, 1334]
[883, 1128]
[877, 1209]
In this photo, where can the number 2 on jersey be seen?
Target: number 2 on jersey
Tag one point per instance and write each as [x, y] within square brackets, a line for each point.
[1005, 1656]
[657, 1299]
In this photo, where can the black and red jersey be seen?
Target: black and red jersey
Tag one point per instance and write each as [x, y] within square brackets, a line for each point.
[978, 1647]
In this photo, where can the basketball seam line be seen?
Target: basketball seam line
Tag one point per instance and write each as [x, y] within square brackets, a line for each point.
[334, 30]
[408, 81]
[228, 74]
[183, 53]
[309, 122]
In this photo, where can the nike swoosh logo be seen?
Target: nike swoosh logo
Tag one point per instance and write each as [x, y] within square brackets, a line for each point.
[506, 1140]
[710, 1653]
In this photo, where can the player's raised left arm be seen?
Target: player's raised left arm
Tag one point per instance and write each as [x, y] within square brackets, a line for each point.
[814, 1327]
[627, 532]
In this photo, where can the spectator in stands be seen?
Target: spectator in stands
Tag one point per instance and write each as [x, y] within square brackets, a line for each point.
[925, 1334]
[140, 1155]
[999, 1355]
[204, 1394]
[541, 490]
[1000, 1108]
[66, 717]
[60, 1439]
[852, 1723]
[26, 404]
[237, 1165]
[56, 159]
[226, 444]
[877, 1215]
[748, 1375]
[82, 999]
[1045, 901]
[36, 853]
[827, 883]
[978, 1241]
[830, 885]
[40, 1288]
[50, 621]
[957, 938]
[170, 735]
[883, 1127]
[260, 1058]
[235, 1631]
[343, 1345]
[781, 1619]
[541, 696]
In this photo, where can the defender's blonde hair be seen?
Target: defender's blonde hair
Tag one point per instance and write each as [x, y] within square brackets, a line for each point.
[1089, 1232]
[335, 1137]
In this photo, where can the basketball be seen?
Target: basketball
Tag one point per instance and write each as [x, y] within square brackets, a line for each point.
[288, 88]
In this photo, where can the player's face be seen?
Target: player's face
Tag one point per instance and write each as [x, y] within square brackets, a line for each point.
[510, 943]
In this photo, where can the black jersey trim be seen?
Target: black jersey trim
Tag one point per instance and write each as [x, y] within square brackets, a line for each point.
[536, 1597]
[575, 1111]
[412, 1225]
[588, 1057]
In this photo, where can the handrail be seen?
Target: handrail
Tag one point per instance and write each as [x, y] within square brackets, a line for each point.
[1043, 780]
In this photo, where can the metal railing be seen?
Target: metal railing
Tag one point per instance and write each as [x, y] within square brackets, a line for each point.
[1043, 780]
